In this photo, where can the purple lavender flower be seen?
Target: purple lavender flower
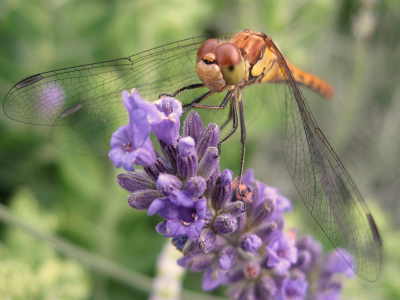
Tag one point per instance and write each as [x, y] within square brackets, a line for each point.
[130, 143]
[139, 112]
[250, 251]
[180, 220]
[294, 289]
[250, 242]
[124, 154]
[281, 252]
[165, 122]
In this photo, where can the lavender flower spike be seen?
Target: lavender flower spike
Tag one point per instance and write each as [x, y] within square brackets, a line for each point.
[250, 251]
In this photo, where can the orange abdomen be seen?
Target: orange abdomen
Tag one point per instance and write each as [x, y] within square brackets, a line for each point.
[311, 81]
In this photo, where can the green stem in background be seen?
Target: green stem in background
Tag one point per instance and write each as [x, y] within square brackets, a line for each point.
[94, 261]
[364, 25]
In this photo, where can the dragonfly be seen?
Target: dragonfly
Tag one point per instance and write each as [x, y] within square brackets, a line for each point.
[83, 106]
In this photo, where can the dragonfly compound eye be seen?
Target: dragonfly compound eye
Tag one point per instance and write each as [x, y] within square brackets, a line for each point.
[230, 62]
[205, 48]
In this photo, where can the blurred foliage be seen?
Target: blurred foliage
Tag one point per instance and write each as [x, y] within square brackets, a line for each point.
[30, 269]
[355, 45]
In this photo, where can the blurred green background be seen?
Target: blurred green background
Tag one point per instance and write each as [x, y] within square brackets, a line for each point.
[355, 45]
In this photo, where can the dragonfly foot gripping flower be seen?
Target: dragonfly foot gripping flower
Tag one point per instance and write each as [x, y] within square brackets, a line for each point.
[250, 251]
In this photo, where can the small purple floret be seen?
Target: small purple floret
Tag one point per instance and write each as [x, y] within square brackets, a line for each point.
[250, 242]
[123, 154]
[166, 122]
[294, 289]
[282, 253]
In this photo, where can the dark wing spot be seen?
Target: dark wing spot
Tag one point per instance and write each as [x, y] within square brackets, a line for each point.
[28, 81]
[374, 230]
[71, 110]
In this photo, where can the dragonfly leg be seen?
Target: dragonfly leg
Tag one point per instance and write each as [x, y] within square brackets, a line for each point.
[230, 117]
[190, 105]
[234, 124]
[223, 104]
[242, 140]
[186, 87]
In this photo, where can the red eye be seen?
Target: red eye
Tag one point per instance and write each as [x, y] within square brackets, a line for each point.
[227, 55]
[207, 47]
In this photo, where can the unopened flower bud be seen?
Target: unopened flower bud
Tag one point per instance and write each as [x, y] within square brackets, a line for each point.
[208, 163]
[170, 152]
[263, 211]
[135, 181]
[209, 138]
[265, 230]
[167, 183]
[160, 166]
[200, 262]
[206, 240]
[187, 158]
[225, 224]
[234, 208]
[193, 126]
[141, 200]
[195, 186]
[222, 190]
[211, 182]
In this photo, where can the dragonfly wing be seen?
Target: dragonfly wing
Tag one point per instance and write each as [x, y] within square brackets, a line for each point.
[88, 97]
[70, 96]
[324, 185]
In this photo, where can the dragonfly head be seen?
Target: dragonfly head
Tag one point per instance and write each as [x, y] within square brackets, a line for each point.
[219, 65]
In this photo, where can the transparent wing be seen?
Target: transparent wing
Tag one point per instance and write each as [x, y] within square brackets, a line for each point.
[84, 103]
[323, 183]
